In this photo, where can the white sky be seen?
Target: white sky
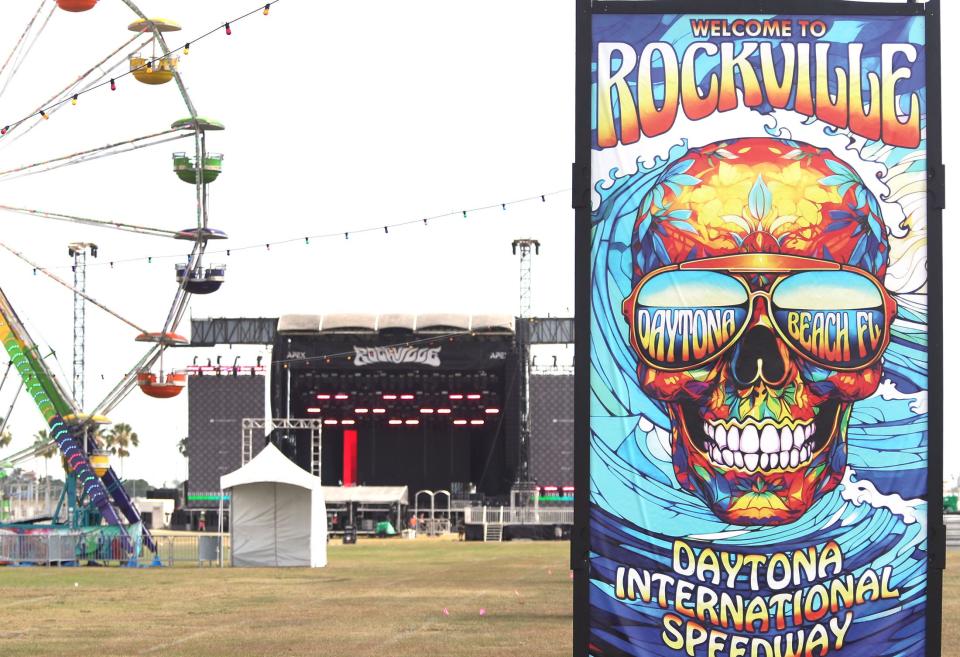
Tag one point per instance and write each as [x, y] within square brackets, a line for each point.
[339, 117]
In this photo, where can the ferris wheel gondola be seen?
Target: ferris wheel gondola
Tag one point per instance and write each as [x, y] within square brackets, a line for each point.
[149, 68]
[201, 281]
[77, 5]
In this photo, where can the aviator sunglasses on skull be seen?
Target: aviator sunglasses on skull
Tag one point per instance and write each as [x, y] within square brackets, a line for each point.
[685, 315]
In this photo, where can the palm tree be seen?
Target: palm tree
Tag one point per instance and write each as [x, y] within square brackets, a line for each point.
[47, 449]
[44, 447]
[120, 440]
[42, 438]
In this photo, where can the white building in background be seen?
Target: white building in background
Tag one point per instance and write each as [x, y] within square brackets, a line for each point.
[155, 513]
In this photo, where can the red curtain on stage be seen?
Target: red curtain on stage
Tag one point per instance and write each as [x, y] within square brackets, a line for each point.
[350, 457]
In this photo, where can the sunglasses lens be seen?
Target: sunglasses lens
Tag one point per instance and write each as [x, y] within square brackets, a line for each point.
[683, 318]
[835, 318]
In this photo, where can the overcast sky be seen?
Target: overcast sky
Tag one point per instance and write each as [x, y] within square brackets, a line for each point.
[340, 116]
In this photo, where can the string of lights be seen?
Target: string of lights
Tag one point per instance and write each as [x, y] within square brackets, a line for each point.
[44, 112]
[307, 240]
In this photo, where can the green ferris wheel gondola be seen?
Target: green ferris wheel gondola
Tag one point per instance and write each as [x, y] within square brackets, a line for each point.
[185, 167]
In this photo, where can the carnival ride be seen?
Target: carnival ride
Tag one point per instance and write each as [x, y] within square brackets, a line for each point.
[93, 493]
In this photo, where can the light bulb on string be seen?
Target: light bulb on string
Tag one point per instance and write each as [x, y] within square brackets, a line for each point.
[44, 115]
[73, 101]
[4, 130]
[266, 9]
[149, 66]
[113, 84]
[229, 31]
[186, 49]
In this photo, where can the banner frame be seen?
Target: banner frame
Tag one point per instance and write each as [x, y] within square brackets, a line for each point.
[581, 201]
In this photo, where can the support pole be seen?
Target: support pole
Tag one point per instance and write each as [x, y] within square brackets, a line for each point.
[220, 529]
[526, 248]
[78, 251]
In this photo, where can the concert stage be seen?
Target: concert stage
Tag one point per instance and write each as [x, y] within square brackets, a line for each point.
[424, 401]
[431, 402]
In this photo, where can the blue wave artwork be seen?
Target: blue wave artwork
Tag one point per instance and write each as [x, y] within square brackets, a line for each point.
[668, 573]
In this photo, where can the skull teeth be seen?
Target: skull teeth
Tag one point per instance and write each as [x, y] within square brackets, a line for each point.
[760, 447]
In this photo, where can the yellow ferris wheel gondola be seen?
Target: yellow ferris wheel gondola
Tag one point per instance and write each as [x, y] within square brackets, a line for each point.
[150, 68]
[100, 462]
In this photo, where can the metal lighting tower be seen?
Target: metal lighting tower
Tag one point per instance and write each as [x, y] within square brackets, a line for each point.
[527, 248]
[78, 251]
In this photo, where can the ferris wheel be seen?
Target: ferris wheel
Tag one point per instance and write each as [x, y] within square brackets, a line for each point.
[147, 58]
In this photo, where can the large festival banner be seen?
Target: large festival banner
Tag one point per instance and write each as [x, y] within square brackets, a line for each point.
[762, 220]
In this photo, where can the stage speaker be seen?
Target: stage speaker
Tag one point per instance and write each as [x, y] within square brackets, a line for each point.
[349, 535]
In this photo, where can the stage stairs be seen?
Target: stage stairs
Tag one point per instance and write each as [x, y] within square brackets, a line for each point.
[493, 532]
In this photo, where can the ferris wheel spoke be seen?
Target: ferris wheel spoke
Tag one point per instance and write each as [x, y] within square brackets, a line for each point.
[182, 298]
[100, 223]
[18, 59]
[128, 383]
[22, 38]
[62, 282]
[57, 101]
[91, 157]
[26, 454]
[95, 153]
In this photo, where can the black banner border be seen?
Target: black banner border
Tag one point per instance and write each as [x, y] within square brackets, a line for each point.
[936, 532]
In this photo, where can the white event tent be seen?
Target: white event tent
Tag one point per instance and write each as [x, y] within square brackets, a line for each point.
[277, 513]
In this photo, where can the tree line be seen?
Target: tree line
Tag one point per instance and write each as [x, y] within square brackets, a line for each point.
[118, 440]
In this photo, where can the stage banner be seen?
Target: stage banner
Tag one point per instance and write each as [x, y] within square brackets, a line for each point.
[758, 331]
[385, 352]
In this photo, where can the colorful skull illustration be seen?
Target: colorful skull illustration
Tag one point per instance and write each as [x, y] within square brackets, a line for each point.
[759, 318]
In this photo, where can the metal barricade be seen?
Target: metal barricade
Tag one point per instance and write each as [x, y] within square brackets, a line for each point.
[35, 549]
[435, 526]
[190, 550]
[60, 548]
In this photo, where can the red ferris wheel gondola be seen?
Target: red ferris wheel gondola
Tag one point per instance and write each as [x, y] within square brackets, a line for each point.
[76, 5]
[162, 387]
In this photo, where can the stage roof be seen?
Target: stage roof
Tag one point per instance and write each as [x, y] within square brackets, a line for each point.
[365, 323]
[263, 330]
[368, 494]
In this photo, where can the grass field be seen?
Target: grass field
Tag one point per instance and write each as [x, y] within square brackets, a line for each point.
[383, 598]
[951, 605]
